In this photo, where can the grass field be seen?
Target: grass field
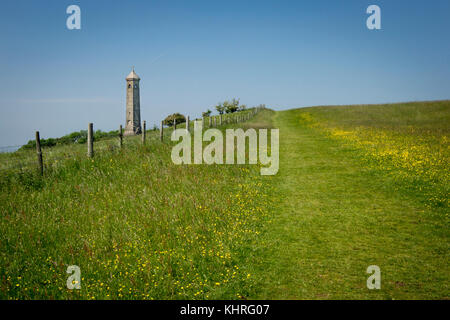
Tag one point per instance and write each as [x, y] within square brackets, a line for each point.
[340, 210]
[138, 226]
[357, 186]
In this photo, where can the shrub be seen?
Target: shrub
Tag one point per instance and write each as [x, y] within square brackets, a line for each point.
[74, 137]
[168, 121]
[231, 106]
[220, 108]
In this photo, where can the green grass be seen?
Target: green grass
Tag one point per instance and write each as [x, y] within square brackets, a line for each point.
[357, 186]
[408, 141]
[337, 212]
[138, 226]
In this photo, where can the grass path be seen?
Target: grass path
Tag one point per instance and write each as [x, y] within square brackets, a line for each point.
[334, 217]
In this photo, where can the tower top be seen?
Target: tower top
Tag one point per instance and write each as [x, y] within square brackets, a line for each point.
[133, 76]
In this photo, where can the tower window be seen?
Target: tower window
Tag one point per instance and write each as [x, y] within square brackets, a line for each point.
[135, 86]
[129, 85]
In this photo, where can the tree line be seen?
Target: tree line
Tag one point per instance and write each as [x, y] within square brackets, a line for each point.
[74, 137]
[228, 106]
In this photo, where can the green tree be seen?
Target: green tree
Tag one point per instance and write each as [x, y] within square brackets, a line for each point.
[220, 108]
[168, 121]
[207, 113]
[231, 106]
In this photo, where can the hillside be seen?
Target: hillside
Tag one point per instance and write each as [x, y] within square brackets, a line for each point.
[357, 186]
[360, 186]
[138, 226]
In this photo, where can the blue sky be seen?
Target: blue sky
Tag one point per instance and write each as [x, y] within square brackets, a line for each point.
[192, 54]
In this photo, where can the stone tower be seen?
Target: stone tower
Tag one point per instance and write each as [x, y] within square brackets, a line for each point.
[133, 117]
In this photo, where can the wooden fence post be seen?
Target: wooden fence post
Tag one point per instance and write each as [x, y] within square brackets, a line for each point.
[90, 140]
[187, 124]
[220, 119]
[120, 137]
[143, 132]
[161, 131]
[174, 124]
[39, 154]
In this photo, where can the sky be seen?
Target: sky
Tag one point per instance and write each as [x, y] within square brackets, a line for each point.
[190, 55]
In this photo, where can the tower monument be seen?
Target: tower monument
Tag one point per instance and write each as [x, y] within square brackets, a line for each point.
[133, 110]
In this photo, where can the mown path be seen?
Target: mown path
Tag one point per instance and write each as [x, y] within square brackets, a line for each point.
[333, 217]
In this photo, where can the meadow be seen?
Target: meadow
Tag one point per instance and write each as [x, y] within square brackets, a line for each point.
[409, 141]
[138, 226]
[357, 186]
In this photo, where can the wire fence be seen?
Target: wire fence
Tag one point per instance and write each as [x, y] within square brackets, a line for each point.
[11, 158]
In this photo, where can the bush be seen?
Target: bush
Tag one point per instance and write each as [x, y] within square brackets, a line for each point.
[231, 106]
[207, 113]
[168, 121]
[74, 137]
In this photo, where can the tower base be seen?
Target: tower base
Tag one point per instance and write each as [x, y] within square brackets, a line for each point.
[132, 131]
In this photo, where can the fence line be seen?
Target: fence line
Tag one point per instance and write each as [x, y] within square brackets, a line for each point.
[143, 133]
[120, 137]
[39, 154]
[90, 140]
[213, 121]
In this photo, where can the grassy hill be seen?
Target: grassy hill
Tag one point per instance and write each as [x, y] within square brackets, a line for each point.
[138, 226]
[357, 186]
[409, 141]
[360, 186]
